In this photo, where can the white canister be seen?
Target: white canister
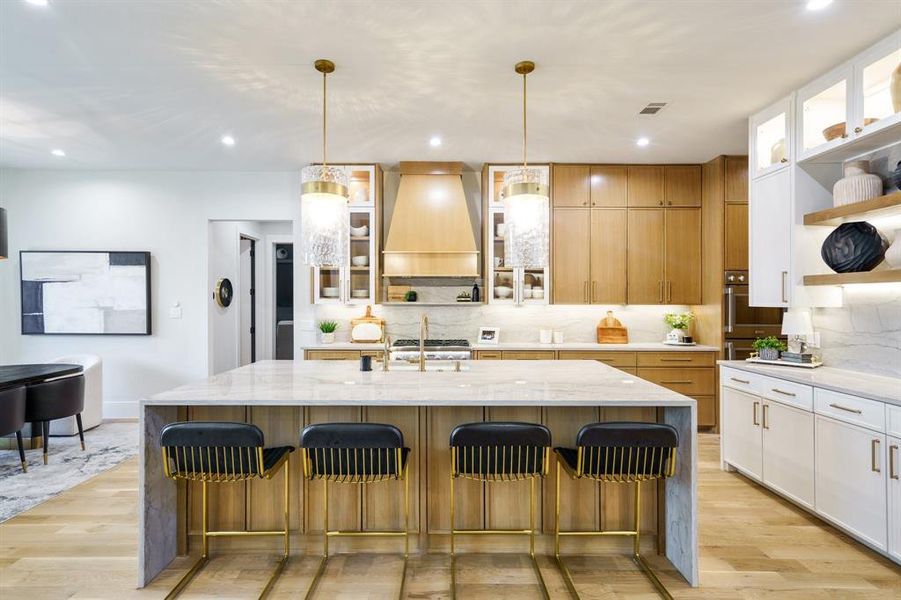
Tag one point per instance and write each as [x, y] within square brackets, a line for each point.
[500, 229]
[545, 336]
[558, 337]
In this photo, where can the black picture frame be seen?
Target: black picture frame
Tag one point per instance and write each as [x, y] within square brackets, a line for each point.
[147, 286]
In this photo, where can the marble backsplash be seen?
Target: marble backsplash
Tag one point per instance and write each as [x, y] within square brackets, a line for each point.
[516, 323]
[865, 334]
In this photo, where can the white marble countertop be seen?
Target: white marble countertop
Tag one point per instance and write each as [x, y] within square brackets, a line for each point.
[583, 346]
[486, 383]
[865, 385]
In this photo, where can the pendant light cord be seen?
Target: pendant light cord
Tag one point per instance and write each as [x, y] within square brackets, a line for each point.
[324, 109]
[524, 129]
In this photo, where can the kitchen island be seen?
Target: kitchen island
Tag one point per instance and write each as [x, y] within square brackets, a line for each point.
[283, 396]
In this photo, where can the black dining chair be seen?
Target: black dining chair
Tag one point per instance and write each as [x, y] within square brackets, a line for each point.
[55, 399]
[12, 417]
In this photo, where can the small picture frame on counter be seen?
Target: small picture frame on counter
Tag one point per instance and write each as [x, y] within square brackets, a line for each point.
[489, 335]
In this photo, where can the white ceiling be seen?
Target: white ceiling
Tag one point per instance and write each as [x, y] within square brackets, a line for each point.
[133, 84]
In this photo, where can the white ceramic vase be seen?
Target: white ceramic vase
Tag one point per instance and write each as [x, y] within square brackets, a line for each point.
[893, 254]
[328, 338]
[857, 185]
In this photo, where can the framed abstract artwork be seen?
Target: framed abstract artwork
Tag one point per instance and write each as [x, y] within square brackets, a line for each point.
[85, 292]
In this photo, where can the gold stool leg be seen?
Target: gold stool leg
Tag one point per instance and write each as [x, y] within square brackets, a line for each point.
[567, 577]
[544, 592]
[204, 551]
[322, 562]
[284, 560]
[403, 577]
[452, 526]
[639, 560]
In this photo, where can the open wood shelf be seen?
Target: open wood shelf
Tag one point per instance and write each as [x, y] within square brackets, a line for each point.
[884, 276]
[859, 211]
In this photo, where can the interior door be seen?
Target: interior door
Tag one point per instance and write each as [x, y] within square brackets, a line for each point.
[572, 235]
[788, 451]
[742, 438]
[645, 257]
[247, 303]
[770, 245]
[850, 478]
[683, 256]
[608, 256]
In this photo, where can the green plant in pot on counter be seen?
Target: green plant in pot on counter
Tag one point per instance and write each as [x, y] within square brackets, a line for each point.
[328, 331]
[768, 348]
[679, 323]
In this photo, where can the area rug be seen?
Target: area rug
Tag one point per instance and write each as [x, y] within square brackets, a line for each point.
[106, 446]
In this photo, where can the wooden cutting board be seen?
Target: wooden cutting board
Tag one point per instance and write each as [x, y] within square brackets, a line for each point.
[611, 331]
[398, 293]
[367, 329]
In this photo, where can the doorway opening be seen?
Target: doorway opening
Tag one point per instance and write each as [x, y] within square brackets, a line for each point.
[247, 286]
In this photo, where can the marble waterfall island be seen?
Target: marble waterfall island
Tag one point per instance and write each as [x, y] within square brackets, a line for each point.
[283, 396]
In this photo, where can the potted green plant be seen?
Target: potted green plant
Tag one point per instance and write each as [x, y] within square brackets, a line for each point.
[679, 324]
[328, 331]
[768, 348]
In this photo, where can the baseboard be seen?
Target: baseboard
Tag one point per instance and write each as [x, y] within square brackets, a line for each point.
[120, 410]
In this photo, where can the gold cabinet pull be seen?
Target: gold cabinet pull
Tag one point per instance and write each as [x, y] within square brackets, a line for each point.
[846, 409]
[784, 277]
[682, 381]
[873, 446]
[756, 404]
[675, 360]
[858, 129]
[660, 291]
[783, 160]
[737, 380]
[594, 295]
[891, 462]
[784, 393]
[585, 290]
[766, 424]
[669, 291]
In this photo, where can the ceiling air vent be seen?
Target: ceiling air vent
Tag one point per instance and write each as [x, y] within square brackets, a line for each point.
[653, 108]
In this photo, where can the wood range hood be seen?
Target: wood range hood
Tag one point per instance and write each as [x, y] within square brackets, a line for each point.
[430, 234]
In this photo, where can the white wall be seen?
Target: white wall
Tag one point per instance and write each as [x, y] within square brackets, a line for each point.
[165, 213]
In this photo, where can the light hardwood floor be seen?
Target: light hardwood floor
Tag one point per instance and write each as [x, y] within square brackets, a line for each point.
[82, 544]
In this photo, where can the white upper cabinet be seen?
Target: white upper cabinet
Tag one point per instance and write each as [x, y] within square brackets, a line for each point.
[874, 107]
[771, 135]
[770, 256]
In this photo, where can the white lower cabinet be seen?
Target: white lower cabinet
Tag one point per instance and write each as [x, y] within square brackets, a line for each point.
[742, 440]
[894, 498]
[788, 451]
[851, 480]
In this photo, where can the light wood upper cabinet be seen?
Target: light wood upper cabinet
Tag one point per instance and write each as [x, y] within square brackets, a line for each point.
[608, 256]
[609, 186]
[682, 185]
[646, 231]
[571, 255]
[736, 179]
[683, 256]
[571, 186]
[645, 186]
[736, 251]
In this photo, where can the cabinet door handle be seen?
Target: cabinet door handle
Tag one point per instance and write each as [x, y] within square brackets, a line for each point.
[669, 291]
[846, 409]
[736, 380]
[858, 129]
[784, 277]
[784, 393]
[679, 381]
[766, 424]
[675, 360]
[756, 404]
[660, 203]
[594, 295]
[585, 291]
[873, 446]
[783, 160]
[891, 462]
[660, 291]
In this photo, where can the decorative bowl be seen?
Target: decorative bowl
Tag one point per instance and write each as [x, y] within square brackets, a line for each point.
[359, 293]
[360, 261]
[838, 130]
[537, 293]
[503, 291]
[361, 231]
[329, 292]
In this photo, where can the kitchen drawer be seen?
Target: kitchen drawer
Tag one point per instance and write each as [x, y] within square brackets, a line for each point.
[786, 392]
[850, 409]
[614, 359]
[741, 380]
[688, 381]
[893, 420]
[489, 355]
[706, 411]
[529, 355]
[332, 354]
[377, 354]
[676, 359]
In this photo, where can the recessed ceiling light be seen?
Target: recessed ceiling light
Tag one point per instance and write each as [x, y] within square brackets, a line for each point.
[435, 141]
[38, 2]
[642, 141]
[58, 153]
[228, 140]
[818, 4]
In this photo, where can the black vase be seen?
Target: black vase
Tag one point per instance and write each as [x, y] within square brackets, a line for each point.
[854, 248]
[894, 177]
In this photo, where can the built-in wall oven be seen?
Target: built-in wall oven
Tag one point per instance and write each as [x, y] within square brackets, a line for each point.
[742, 322]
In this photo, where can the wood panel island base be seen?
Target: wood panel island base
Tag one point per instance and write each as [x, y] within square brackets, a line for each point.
[281, 397]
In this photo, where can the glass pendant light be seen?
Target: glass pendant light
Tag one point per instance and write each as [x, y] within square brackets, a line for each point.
[526, 203]
[324, 211]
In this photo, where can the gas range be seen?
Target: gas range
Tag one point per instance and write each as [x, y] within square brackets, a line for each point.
[408, 349]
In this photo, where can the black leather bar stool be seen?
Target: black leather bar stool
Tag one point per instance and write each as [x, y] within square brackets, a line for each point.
[617, 453]
[222, 452]
[51, 400]
[499, 452]
[360, 453]
[12, 417]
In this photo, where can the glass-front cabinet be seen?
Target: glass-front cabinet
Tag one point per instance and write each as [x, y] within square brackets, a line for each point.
[878, 101]
[503, 284]
[355, 281]
[771, 133]
[824, 112]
